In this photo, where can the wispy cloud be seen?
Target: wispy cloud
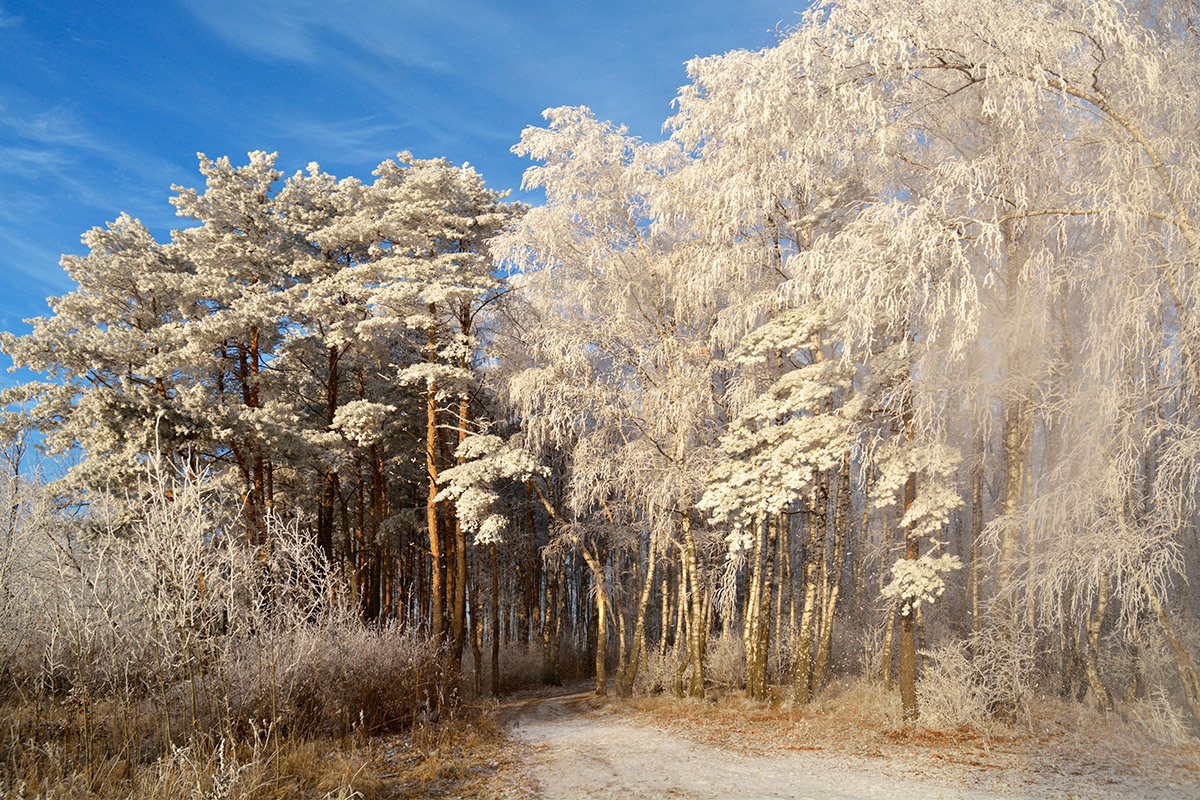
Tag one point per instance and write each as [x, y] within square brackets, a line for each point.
[30, 265]
[354, 140]
[8, 20]
[32, 162]
[50, 147]
[53, 125]
[412, 34]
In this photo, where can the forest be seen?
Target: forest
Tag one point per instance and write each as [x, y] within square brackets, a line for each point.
[884, 362]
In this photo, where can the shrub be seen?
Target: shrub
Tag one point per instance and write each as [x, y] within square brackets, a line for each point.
[952, 693]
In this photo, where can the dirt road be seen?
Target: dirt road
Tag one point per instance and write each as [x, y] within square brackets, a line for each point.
[579, 751]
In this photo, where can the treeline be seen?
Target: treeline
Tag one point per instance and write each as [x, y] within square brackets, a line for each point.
[903, 309]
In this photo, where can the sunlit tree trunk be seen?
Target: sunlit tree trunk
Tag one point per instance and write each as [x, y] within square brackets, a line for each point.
[696, 631]
[595, 562]
[639, 628]
[437, 613]
[814, 555]
[908, 639]
[756, 680]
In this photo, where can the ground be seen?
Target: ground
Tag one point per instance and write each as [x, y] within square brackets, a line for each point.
[574, 745]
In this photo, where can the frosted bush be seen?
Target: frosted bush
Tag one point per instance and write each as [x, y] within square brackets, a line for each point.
[1005, 657]
[952, 693]
[656, 673]
[157, 599]
[341, 677]
[726, 660]
[1163, 720]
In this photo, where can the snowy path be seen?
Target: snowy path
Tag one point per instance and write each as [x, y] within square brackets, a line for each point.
[578, 753]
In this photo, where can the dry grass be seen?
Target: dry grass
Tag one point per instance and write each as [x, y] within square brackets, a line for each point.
[431, 760]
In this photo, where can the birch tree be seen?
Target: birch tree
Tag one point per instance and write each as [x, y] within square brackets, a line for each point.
[1019, 166]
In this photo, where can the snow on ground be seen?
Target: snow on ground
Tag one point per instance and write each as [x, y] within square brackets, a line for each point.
[573, 750]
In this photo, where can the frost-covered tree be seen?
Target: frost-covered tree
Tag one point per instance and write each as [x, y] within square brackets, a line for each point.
[111, 353]
[917, 248]
[436, 219]
[275, 343]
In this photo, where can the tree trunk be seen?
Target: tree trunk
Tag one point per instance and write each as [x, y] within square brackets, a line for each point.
[976, 535]
[595, 562]
[1184, 664]
[696, 620]
[476, 638]
[757, 683]
[665, 611]
[550, 621]
[888, 637]
[458, 616]
[639, 628]
[908, 639]
[325, 513]
[1092, 655]
[833, 577]
[814, 554]
[437, 613]
[753, 602]
[495, 624]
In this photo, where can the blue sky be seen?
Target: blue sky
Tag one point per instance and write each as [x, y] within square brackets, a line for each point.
[104, 105]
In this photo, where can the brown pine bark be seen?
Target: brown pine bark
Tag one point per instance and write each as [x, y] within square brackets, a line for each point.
[459, 608]
[437, 610]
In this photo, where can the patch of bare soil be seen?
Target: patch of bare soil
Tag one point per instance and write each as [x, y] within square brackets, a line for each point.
[575, 746]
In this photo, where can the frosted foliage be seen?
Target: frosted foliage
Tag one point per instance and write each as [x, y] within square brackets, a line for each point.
[936, 466]
[790, 332]
[362, 421]
[919, 580]
[1005, 184]
[774, 467]
[287, 323]
[487, 461]
[616, 368]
